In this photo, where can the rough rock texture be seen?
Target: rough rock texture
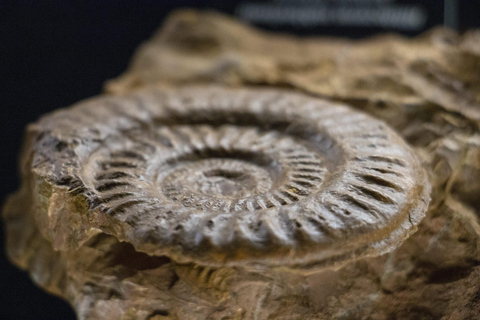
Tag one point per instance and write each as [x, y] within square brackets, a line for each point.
[427, 89]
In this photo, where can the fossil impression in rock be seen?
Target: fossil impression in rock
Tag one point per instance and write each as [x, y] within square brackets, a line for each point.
[207, 202]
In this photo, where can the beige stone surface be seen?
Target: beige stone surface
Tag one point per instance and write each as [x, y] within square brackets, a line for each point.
[426, 88]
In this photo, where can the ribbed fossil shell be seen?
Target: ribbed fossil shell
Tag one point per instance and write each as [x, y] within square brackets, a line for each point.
[233, 176]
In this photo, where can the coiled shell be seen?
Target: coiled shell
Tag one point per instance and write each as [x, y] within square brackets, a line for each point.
[240, 177]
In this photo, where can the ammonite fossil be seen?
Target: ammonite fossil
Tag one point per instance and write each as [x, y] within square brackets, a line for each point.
[251, 178]
[196, 203]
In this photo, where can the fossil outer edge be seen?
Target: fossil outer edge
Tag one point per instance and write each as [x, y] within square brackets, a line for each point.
[240, 177]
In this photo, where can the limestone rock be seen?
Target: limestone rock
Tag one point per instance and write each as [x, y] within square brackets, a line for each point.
[165, 201]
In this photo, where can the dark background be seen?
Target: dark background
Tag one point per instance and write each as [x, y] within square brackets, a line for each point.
[54, 53]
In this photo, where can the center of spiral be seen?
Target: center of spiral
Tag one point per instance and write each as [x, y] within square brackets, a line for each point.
[227, 183]
[220, 178]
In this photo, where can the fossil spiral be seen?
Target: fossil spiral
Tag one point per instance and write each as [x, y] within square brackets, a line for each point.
[236, 177]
